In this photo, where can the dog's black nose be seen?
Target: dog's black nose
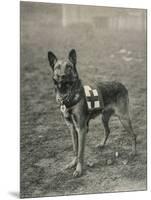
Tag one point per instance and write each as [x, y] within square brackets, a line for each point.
[63, 76]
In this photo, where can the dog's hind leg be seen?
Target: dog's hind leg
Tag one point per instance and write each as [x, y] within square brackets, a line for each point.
[105, 120]
[126, 122]
[122, 112]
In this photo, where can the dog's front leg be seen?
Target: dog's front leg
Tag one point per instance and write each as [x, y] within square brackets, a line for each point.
[81, 140]
[74, 137]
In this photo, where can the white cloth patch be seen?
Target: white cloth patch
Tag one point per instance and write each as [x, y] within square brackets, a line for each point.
[92, 98]
[87, 90]
[89, 104]
[95, 92]
[96, 104]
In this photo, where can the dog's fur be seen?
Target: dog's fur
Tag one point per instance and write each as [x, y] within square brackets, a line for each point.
[70, 94]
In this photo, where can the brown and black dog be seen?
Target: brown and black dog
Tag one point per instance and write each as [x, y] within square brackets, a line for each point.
[70, 95]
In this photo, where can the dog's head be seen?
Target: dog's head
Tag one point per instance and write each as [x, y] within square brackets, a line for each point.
[64, 71]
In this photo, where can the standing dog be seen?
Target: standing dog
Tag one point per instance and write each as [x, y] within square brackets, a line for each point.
[70, 95]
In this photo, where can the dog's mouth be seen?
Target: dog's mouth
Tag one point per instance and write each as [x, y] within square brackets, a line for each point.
[64, 85]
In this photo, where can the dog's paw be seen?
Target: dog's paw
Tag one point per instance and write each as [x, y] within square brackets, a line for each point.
[78, 171]
[71, 164]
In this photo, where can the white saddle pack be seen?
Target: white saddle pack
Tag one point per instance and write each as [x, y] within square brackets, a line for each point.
[93, 98]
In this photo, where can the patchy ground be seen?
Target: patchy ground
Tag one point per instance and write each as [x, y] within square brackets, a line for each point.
[45, 141]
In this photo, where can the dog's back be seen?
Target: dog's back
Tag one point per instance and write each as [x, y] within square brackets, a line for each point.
[112, 92]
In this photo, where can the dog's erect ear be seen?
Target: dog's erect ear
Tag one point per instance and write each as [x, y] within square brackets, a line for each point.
[52, 59]
[73, 57]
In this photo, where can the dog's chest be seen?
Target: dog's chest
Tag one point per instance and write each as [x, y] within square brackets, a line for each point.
[93, 99]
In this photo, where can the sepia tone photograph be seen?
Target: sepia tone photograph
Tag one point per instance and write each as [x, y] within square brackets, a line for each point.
[83, 91]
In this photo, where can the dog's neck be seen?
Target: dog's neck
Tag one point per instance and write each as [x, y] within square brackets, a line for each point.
[74, 94]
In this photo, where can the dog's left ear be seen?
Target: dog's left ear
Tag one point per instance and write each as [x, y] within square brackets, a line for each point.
[73, 57]
[52, 59]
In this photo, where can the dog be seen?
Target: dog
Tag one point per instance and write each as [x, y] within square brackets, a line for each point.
[70, 94]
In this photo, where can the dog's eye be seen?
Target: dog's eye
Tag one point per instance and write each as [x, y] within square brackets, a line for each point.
[68, 68]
